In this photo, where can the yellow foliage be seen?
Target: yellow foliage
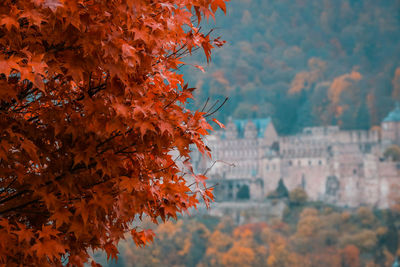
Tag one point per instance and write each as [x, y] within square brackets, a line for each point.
[346, 216]
[303, 80]
[186, 247]
[238, 256]
[366, 216]
[271, 260]
[168, 229]
[342, 83]
[381, 231]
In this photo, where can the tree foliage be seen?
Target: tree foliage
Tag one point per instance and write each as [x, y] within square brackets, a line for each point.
[297, 196]
[392, 153]
[316, 237]
[90, 111]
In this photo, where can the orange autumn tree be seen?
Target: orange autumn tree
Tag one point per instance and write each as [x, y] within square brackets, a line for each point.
[91, 112]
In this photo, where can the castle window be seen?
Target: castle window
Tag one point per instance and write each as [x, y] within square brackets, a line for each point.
[319, 162]
[367, 148]
[309, 162]
[332, 185]
[290, 163]
[354, 171]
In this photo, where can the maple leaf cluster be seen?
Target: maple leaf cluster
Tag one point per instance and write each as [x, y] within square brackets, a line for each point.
[90, 111]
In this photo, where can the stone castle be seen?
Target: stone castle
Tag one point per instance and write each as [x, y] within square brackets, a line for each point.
[344, 168]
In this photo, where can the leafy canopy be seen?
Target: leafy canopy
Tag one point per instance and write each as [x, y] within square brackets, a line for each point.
[90, 111]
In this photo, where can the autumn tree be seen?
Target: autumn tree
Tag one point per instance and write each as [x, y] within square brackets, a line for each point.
[350, 256]
[241, 253]
[179, 243]
[91, 110]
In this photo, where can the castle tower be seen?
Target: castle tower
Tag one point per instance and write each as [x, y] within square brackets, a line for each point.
[231, 130]
[391, 128]
[250, 131]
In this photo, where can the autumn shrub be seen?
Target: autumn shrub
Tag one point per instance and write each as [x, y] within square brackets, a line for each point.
[392, 153]
[297, 196]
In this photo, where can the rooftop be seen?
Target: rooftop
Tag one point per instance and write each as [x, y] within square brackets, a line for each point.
[261, 126]
[394, 115]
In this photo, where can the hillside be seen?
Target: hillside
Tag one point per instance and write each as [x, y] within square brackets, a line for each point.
[305, 62]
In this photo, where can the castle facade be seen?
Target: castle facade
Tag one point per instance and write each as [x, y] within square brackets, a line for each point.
[344, 168]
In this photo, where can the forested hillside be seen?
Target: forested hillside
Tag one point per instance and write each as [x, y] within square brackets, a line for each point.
[305, 62]
[309, 235]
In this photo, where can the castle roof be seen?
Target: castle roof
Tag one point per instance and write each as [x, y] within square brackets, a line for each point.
[394, 115]
[396, 263]
[261, 126]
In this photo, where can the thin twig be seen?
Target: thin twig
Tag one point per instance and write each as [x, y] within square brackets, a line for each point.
[208, 99]
[207, 115]
[213, 105]
[170, 103]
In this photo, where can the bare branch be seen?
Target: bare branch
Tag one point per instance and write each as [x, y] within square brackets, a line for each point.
[208, 99]
[223, 103]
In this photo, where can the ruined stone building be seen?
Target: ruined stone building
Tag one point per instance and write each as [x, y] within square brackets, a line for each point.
[345, 168]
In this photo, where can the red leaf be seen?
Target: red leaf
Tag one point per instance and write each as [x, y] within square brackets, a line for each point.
[200, 68]
[219, 123]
